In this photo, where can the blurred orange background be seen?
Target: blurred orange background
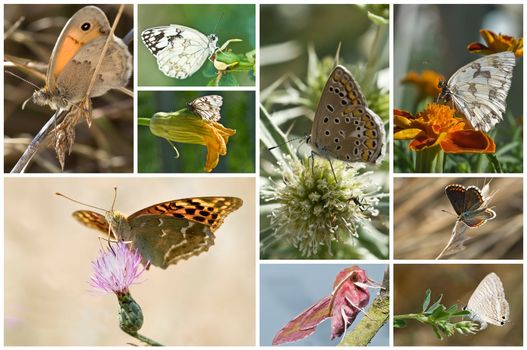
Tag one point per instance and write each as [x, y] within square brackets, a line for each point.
[207, 300]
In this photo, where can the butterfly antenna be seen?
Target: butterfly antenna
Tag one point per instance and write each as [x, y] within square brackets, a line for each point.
[284, 143]
[445, 211]
[81, 203]
[114, 197]
[23, 79]
[218, 22]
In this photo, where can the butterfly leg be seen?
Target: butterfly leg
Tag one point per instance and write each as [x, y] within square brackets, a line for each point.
[358, 308]
[332, 170]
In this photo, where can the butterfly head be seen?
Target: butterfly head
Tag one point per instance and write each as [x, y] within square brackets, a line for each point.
[55, 101]
[444, 95]
[213, 41]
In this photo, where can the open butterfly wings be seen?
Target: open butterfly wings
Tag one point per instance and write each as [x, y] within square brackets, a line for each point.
[344, 127]
[488, 304]
[207, 107]
[469, 205]
[167, 232]
[180, 51]
[479, 89]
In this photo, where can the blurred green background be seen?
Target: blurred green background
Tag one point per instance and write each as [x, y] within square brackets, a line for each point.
[155, 154]
[291, 83]
[226, 21]
[436, 37]
[456, 283]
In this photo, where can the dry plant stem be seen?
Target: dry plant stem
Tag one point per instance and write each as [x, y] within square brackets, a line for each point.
[104, 49]
[33, 147]
[457, 237]
[378, 314]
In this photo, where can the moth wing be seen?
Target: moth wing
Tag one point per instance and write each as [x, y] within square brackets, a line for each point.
[304, 324]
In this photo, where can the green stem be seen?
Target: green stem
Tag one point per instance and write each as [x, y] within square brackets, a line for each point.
[372, 59]
[369, 325]
[429, 160]
[146, 340]
[143, 121]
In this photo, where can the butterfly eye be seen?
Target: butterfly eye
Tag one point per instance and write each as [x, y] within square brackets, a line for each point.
[86, 26]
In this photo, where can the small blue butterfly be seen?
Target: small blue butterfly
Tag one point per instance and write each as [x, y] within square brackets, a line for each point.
[469, 204]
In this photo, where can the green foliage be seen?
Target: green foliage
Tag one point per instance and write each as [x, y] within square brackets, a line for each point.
[439, 317]
[157, 155]
[291, 100]
[227, 21]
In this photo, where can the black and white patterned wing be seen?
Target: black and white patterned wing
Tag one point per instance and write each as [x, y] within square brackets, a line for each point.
[180, 51]
[479, 89]
[207, 107]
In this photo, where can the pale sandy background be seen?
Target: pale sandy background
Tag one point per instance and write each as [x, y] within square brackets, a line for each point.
[207, 300]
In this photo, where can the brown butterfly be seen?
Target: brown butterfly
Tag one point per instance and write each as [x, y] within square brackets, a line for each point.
[166, 232]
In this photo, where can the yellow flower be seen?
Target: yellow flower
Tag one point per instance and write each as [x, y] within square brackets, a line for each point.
[189, 128]
[497, 43]
[426, 82]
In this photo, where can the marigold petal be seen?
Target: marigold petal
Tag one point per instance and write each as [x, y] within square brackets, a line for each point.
[468, 141]
[407, 134]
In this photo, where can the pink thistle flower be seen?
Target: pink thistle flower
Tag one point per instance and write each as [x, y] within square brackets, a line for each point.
[116, 269]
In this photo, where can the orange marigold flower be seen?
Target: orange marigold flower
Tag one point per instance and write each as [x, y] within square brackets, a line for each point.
[438, 125]
[497, 43]
[427, 82]
[188, 128]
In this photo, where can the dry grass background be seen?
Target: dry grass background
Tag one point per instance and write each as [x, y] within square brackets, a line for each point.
[421, 229]
[207, 300]
[107, 146]
[456, 283]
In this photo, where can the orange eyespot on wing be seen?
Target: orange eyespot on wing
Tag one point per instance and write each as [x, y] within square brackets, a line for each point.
[93, 220]
[210, 211]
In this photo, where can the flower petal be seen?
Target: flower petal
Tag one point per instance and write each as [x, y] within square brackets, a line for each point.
[468, 141]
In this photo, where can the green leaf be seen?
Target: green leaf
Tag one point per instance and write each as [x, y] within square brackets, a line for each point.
[229, 80]
[436, 304]
[452, 309]
[428, 294]
[378, 20]
[461, 313]
[397, 323]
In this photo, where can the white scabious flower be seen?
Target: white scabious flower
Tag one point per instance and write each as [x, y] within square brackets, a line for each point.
[314, 210]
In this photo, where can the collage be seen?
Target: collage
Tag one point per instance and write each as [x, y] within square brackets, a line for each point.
[263, 174]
